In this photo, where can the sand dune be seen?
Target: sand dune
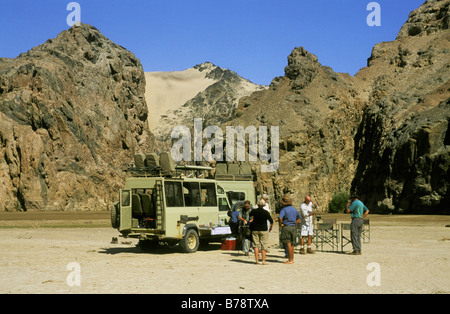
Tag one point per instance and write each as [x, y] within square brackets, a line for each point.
[170, 90]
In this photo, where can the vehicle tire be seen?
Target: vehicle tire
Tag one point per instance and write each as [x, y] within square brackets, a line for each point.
[115, 215]
[190, 241]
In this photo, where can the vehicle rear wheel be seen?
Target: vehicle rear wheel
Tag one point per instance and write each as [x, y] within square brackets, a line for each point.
[190, 242]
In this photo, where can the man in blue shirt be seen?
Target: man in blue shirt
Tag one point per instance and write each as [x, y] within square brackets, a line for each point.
[289, 217]
[358, 211]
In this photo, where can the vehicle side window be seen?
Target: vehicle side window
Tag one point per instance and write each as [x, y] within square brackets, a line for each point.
[125, 198]
[237, 196]
[174, 195]
[191, 192]
[208, 194]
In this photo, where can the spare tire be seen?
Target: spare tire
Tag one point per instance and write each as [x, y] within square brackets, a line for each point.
[115, 215]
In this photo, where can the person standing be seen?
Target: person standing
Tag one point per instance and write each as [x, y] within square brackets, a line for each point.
[265, 197]
[288, 219]
[260, 231]
[358, 211]
[306, 225]
[234, 222]
[244, 226]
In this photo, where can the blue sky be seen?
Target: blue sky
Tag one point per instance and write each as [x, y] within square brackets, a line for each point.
[250, 37]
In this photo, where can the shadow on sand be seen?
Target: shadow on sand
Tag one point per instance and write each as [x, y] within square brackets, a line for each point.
[159, 249]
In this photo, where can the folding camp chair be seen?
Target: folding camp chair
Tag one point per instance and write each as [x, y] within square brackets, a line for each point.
[365, 234]
[345, 235]
[327, 233]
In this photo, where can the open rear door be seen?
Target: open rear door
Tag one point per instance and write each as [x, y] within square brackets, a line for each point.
[224, 207]
[125, 210]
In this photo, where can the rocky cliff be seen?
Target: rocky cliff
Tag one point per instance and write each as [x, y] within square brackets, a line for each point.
[403, 141]
[72, 113]
[383, 133]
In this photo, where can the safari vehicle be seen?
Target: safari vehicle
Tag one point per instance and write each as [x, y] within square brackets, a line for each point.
[162, 202]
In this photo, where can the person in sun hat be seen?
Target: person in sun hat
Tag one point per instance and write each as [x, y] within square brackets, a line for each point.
[289, 217]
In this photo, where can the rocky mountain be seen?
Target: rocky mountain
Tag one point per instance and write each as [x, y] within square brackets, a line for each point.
[205, 91]
[72, 113]
[383, 133]
[75, 109]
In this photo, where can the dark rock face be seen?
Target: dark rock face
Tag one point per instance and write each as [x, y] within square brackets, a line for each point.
[72, 112]
[405, 169]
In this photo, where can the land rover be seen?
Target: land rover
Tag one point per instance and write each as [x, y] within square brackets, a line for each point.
[162, 202]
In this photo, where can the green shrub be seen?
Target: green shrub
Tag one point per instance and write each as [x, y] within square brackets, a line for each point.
[338, 202]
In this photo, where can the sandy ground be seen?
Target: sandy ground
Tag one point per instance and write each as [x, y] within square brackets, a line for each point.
[412, 255]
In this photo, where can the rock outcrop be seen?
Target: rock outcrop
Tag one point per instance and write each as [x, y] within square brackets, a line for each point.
[383, 134]
[72, 113]
[317, 111]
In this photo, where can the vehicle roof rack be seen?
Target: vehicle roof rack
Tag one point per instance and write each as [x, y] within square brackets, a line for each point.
[152, 165]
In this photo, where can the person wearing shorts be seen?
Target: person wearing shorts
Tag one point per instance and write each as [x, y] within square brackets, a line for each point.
[260, 231]
[288, 219]
[306, 225]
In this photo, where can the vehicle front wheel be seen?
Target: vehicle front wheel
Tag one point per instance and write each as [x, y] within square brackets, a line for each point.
[190, 241]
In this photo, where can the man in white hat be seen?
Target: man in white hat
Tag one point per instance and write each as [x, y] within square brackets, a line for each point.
[306, 224]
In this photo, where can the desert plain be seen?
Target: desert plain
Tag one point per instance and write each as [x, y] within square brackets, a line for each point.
[38, 251]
